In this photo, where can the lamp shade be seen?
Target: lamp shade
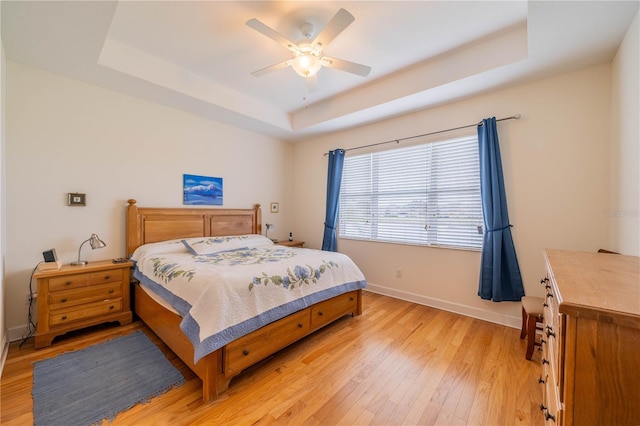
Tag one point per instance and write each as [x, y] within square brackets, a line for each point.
[95, 242]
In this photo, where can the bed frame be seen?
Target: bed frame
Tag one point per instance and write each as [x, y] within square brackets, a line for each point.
[148, 225]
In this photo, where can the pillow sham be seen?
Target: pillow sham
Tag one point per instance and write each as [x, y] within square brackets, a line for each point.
[163, 247]
[211, 245]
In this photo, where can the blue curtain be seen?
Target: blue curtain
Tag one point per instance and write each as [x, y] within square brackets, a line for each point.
[500, 278]
[334, 177]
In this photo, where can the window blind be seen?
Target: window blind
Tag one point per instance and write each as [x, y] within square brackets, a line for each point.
[425, 194]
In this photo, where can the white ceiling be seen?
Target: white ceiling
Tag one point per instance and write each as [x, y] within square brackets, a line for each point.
[198, 55]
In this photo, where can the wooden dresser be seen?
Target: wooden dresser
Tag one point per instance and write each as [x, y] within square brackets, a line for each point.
[75, 297]
[591, 339]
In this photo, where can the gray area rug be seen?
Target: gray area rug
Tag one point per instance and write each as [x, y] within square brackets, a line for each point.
[98, 382]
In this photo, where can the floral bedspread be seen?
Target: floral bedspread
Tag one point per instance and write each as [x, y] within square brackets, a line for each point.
[226, 294]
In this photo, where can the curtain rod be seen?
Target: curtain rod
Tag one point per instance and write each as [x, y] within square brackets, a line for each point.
[513, 117]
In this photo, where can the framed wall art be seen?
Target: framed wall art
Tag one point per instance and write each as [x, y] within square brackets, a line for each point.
[202, 190]
[76, 199]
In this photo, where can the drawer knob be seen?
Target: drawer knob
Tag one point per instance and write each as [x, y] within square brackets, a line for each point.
[67, 283]
[64, 317]
[64, 299]
[106, 277]
[320, 313]
[543, 381]
[299, 325]
[245, 352]
[111, 307]
[111, 291]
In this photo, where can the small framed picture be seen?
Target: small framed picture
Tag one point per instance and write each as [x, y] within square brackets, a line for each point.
[275, 207]
[77, 199]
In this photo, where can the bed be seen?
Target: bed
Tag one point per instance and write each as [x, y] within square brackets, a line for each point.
[158, 239]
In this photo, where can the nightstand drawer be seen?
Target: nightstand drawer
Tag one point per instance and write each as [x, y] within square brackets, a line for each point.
[65, 316]
[63, 299]
[69, 281]
[106, 276]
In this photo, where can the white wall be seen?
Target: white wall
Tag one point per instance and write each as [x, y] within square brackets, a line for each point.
[624, 206]
[65, 136]
[4, 341]
[556, 177]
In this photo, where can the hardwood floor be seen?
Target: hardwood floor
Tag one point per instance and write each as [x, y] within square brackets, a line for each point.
[397, 363]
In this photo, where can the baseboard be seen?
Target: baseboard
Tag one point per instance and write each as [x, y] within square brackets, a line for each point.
[470, 311]
[5, 350]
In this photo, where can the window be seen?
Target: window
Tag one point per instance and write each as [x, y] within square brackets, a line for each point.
[425, 194]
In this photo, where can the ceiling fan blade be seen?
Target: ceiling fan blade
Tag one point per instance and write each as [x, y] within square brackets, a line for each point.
[336, 25]
[280, 66]
[272, 34]
[341, 64]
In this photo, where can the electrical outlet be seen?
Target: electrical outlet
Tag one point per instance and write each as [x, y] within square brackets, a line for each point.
[28, 295]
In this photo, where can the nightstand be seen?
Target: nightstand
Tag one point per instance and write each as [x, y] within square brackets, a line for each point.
[299, 244]
[75, 297]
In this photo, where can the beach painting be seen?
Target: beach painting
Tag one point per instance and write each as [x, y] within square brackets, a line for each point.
[202, 190]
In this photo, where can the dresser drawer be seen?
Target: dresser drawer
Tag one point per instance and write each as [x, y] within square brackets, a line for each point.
[90, 310]
[325, 312]
[256, 346]
[69, 281]
[551, 406]
[66, 298]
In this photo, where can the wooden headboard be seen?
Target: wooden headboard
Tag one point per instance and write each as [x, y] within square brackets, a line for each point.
[152, 224]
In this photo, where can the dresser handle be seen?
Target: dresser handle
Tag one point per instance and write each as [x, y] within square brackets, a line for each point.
[320, 314]
[111, 307]
[545, 361]
[548, 287]
[545, 305]
[299, 325]
[64, 299]
[542, 407]
[543, 381]
[351, 299]
[542, 342]
[551, 333]
[549, 295]
[245, 352]
[111, 291]
[548, 416]
[64, 317]
[544, 280]
[67, 283]
[106, 277]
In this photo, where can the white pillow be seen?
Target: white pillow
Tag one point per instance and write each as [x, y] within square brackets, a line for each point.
[211, 245]
[163, 247]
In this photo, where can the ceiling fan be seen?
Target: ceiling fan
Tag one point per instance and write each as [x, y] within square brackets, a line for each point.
[308, 57]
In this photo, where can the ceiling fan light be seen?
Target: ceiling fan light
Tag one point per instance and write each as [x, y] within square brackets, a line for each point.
[306, 64]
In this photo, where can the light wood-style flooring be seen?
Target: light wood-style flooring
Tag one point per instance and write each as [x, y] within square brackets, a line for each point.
[397, 363]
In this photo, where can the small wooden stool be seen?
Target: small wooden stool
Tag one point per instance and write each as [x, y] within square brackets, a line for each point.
[531, 315]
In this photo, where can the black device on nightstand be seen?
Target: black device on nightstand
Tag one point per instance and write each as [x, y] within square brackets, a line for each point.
[50, 255]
